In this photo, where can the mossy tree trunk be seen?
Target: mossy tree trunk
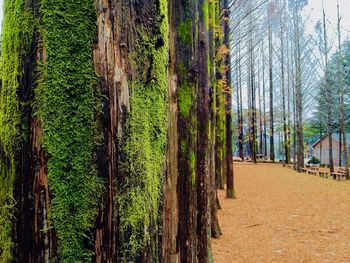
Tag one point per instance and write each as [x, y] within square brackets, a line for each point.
[24, 194]
[230, 193]
[184, 75]
[220, 145]
[142, 138]
[214, 11]
[80, 134]
[203, 118]
[185, 66]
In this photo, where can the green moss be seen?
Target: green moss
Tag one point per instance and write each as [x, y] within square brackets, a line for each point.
[185, 31]
[212, 14]
[185, 91]
[205, 10]
[66, 99]
[140, 193]
[185, 99]
[193, 168]
[186, 95]
[231, 194]
[214, 97]
[210, 256]
[18, 26]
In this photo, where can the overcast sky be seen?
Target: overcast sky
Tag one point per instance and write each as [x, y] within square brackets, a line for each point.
[314, 12]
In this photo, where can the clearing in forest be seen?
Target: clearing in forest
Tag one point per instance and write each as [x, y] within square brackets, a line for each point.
[283, 216]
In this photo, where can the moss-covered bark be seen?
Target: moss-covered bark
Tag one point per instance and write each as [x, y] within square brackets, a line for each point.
[203, 118]
[230, 193]
[14, 45]
[139, 194]
[65, 109]
[220, 138]
[185, 68]
[213, 13]
[25, 232]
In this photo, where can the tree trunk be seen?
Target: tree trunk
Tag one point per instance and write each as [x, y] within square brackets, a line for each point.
[214, 221]
[230, 192]
[285, 132]
[298, 94]
[202, 158]
[184, 19]
[240, 103]
[329, 95]
[241, 123]
[28, 163]
[260, 116]
[264, 109]
[272, 141]
[340, 149]
[288, 103]
[341, 104]
[112, 66]
[220, 171]
[320, 141]
[170, 251]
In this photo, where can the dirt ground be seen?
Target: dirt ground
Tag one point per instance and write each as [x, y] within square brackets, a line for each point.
[283, 216]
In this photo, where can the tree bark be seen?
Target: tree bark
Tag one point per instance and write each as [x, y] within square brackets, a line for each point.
[214, 221]
[202, 158]
[285, 129]
[111, 65]
[32, 238]
[341, 104]
[264, 108]
[230, 192]
[170, 251]
[272, 141]
[329, 95]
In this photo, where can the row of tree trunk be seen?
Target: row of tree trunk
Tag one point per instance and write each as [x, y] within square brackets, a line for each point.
[262, 112]
[115, 138]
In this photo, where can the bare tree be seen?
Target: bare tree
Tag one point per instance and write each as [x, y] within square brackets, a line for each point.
[341, 98]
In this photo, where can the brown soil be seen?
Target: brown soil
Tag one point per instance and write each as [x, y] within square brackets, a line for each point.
[283, 216]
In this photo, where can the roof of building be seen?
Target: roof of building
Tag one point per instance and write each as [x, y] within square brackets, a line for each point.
[335, 137]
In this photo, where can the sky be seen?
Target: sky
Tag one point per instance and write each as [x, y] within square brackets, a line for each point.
[314, 12]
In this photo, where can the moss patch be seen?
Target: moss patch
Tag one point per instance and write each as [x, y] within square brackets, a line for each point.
[185, 99]
[193, 168]
[205, 9]
[66, 102]
[231, 194]
[185, 31]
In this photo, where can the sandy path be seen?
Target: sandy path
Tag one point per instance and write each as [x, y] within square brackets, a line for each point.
[283, 216]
